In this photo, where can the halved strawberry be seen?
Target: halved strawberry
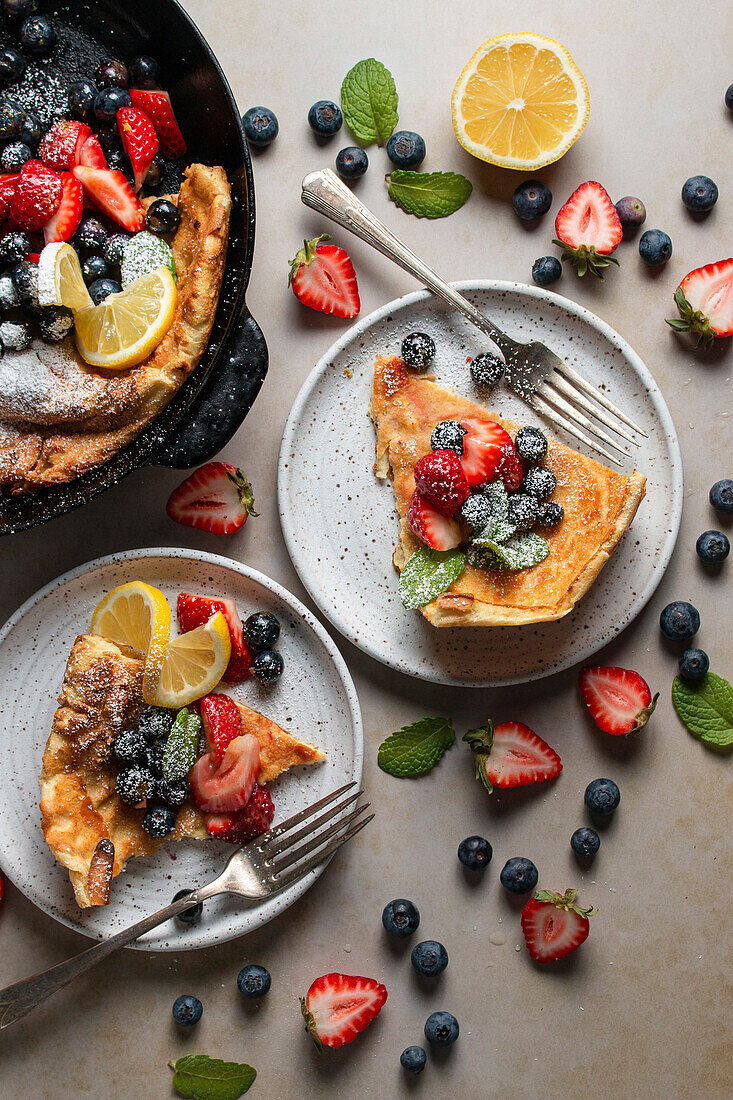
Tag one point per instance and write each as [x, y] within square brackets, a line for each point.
[618, 699]
[221, 721]
[194, 611]
[440, 479]
[111, 192]
[489, 452]
[589, 229]
[511, 755]
[553, 925]
[63, 225]
[339, 1006]
[322, 277]
[435, 530]
[157, 106]
[37, 196]
[7, 190]
[217, 497]
[227, 785]
[239, 828]
[61, 144]
[139, 140]
[91, 154]
[705, 301]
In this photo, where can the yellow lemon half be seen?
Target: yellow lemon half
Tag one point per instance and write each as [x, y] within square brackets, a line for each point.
[194, 664]
[126, 327]
[60, 281]
[137, 615]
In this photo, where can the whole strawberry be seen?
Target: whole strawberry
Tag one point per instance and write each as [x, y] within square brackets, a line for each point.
[704, 299]
[440, 478]
[554, 925]
[589, 229]
[322, 277]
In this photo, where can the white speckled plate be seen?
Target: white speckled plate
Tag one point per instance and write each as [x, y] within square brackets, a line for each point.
[340, 522]
[315, 698]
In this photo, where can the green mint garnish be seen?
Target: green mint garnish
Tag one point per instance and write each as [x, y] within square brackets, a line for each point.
[428, 574]
[498, 500]
[496, 531]
[416, 748]
[519, 552]
[202, 1078]
[428, 194]
[369, 102]
[182, 746]
[706, 709]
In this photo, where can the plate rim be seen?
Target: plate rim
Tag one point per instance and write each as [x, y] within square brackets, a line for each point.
[294, 892]
[523, 290]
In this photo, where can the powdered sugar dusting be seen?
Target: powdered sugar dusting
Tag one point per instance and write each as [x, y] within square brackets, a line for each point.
[47, 384]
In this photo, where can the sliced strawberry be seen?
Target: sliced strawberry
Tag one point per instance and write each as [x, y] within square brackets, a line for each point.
[37, 196]
[63, 225]
[91, 154]
[511, 755]
[217, 497]
[705, 301]
[489, 452]
[440, 479]
[111, 192]
[432, 528]
[338, 1006]
[139, 140]
[216, 788]
[239, 828]
[553, 925]
[322, 277]
[157, 106]
[34, 257]
[221, 722]
[194, 611]
[589, 229]
[60, 146]
[618, 699]
[7, 190]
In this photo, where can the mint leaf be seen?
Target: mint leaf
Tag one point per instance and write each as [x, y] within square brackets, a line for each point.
[369, 102]
[497, 531]
[417, 748]
[520, 552]
[429, 573]
[706, 709]
[202, 1078]
[182, 746]
[428, 194]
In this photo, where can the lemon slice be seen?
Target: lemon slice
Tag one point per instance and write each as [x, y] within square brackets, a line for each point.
[520, 102]
[137, 615]
[194, 664]
[126, 327]
[60, 281]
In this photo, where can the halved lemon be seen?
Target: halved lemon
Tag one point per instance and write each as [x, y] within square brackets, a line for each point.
[194, 664]
[137, 615]
[520, 102]
[60, 281]
[126, 327]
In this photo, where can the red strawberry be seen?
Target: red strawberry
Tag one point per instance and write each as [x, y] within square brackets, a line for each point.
[217, 497]
[62, 226]
[589, 229]
[338, 1006]
[37, 196]
[61, 145]
[322, 276]
[7, 190]
[110, 191]
[227, 785]
[553, 925]
[254, 820]
[221, 722]
[489, 452]
[91, 155]
[157, 106]
[440, 479]
[139, 139]
[432, 528]
[705, 301]
[34, 257]
[511, 755]
[194, 611]
[618, 699]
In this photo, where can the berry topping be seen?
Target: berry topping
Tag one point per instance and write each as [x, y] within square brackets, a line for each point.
[113, 247]
[139, 140]
[487, 370]
[25, 278]
[157, 106]
[413, 1059]
[12, 67]
[531, 200]
[37, 196]
[94, 267]
[323, 278]
[134, 784]
[268, 666]
[418, 350]
[655, 247]
[82, 94]
[111, 192]
[406, 149]
[699, 194]
[247, 824]
[550, 514]
[721, 496]
[704, 299]
[14, 246]
[60, 146]
[337, 1007]
[585, 842]
[108, 101]
[448, 436]
[221, 722]
[218, 787]
[631, 212]
[253, 981]
[260, 126]
[112, 74]
[261, 630]
[713, 547]
[475, 852]
[351, 162]
[511, 755]
[8, 294]
[217, 498]
[400, 917]
[679, 620]
[531, 444]
[144, 72]
[429, 958]
[477, 512]
[602, 797]
[162, 216]
[129, 746]
[14, 156]
[63, 224]
[91, 234]
[173, 793]
[8, 185]
[441, 1029]
[37, 36]
[187, 1010]
[11, 120]
[15, 336]
[488, 452]
[618, 699]
[523, 510]
[192, 915]
[546, 270]
[439, 477]
[102, 288]
[325, 118]
[588, 229]
[159, 820]
[694, 664]
[430, 525]
[193, 611]
[519, 875]
[540, 482]
[553, 925]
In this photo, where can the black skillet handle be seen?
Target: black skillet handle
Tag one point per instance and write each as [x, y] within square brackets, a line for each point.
[225, 401]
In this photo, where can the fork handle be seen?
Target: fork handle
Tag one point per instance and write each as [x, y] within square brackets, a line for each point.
[323, 191]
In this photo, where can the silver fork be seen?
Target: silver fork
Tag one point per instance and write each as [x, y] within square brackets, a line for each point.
[263, 867]
[552, 387]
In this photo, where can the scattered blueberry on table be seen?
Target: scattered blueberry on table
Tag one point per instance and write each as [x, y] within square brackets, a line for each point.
[475, 852]
[441, 1029]
[693, 664]
[679, 620]
[260, 126]
[406, 149]
[351, 162]
[721, 496]
[519, 875]
[531, 200]
[187, 1010]
[546, 270]
[713, 547]
[254, 981]
[655, 247]
[413, 1059]
[602, 797]
[325, 118]
[585, 842]
[400, 917]
[429, 958]
[699, 194]
[631, 212]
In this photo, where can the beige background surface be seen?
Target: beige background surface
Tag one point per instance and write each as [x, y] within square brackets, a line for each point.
[641, 1011]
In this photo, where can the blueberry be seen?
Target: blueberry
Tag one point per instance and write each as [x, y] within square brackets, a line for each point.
[55, 323]
[102, 288]
[531, 444]
[112, 74]
[109, 138]
[12, 66]
[114, 247]
[694, 664]
[713, 547]
[82, 94]
[602, 796]
[429, 958]
[8, 294]
[400, 917]
[487, 370]
[192, 915]
[94, 267]
[631, 212]
[144, 72]
[11, 119]
[119, 160]
[15, 336]
[173, 794]
[351, 162]
[155, 171]
[260, 126]
[531, 200]
[721, 496]
[267, 666]
[162, 217]
[325, 118]
[729, 97]
[25, 277]
[91, 234]
[448, 436]
[37, 36]
[129, 746]
[655, 247]
[418, 350]
[540, 482]
[187, 1010]
[523, 511]
[152, 758]
[14, 156]
[14, 10]
[413, 1059]
[550, 514]
[253, 981]
[679, 620]
[475, 852]
[406, 149]
[14, 246]
[585, 842]
[261, 630]
[159, 820]
[156, 722]
[519, 875]
[134, 784]
[108, 101]
[30, 129]
[441, 1029]
[699, 194]
[476, 512]
[546, 270]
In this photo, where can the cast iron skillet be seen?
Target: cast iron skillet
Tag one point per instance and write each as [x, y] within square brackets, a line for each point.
[213, 402]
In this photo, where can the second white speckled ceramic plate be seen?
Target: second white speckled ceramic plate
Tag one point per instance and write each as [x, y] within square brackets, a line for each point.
[340, 522]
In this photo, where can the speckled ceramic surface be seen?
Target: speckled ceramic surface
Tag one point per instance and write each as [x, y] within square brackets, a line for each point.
[315, 699]
[341, 541]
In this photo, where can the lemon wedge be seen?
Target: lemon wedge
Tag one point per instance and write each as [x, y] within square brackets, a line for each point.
[194, 664]
[126, 327]
[520, 102]
[139, 616]
[60, 281]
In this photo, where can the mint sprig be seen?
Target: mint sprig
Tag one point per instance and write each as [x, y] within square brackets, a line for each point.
[182, 746]
[706, 708]
[202, 1078]
[517, 552]
[429, 573]
[369, 102]
[428, 194]
[416, 748]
